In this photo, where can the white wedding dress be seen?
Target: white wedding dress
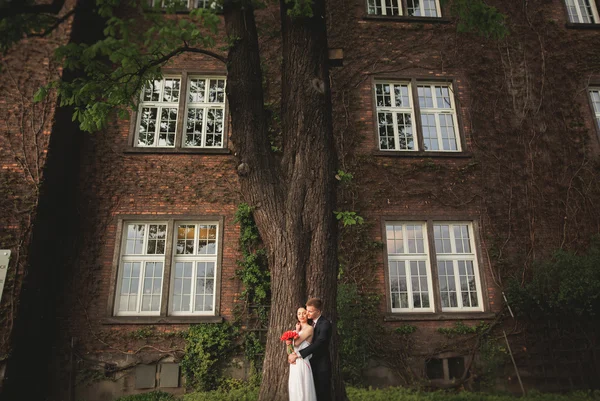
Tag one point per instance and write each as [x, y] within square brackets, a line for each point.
[300, 384]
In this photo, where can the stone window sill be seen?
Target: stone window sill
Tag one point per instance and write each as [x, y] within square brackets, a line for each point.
[404, 18]
[408, 317]
[156, 320]
[132, 150]
[573, 25]
[396, 153]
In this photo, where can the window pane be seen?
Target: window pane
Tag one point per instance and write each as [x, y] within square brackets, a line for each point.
[430, 136]
[171, 90]
[405, 133]
[447, 286]
[151, 92]
[168, 122]
[197, 91]
[216, 92]
[383, 95]
[147, 128]
[422, 8]
[194, 127]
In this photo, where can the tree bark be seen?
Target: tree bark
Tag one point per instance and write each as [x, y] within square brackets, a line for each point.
[293, 199]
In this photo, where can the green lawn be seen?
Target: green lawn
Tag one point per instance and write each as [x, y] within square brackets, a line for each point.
[389, 394]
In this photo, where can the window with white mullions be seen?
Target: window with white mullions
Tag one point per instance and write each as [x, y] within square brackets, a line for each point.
[582, 11]
[438, 117]
[205, 112]
[409, 270]
[193, 287]
[184, 4]
[384, 7]
[423, 8]
[395, 116]
[595, 99]
[416, 8]
[460, 287]
[157, 123]
[139, 289]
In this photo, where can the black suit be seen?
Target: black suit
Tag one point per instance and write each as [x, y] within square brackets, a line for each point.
[319, 362]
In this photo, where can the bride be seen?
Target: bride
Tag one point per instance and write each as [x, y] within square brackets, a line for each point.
[301, 385]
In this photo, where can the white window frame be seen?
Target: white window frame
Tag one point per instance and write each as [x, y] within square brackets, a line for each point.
[438, 10]
[454, 257]
[159, 105]
[402, 4]
[437, 112]
[194, 258]
[394, 110]
[429, 256]
[409, 257]
[594, 92]
[417, 128]
[574, 4]
[182, 105]
[143, 259]
[206, 105]
[191, 4]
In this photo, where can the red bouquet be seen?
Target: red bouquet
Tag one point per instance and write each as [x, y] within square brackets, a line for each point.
[289, 335]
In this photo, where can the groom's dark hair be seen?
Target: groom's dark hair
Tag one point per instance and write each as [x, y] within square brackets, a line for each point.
[315, 303]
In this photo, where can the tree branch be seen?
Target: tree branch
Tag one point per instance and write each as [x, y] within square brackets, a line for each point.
[16, 8]
[51, 28]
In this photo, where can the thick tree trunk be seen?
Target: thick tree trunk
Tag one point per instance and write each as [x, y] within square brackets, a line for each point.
[294, 199]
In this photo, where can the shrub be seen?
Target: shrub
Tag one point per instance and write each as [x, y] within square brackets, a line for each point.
[565, 287]
[208, 346]
[153, 396]
[246, 393]
[355, 326]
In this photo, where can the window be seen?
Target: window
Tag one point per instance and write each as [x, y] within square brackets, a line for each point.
[445, 369]
[415, 8]
[582, 11]
[144, 265]
[411, 276]
[396, 113]
[183, 4]
[409, 270]
[595, 98]
[143, 260]
[162, 102]
[195, 266]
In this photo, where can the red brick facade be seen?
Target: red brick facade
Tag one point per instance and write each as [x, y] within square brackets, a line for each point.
[526, 178]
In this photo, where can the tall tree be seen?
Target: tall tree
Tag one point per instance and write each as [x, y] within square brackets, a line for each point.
[294, 197]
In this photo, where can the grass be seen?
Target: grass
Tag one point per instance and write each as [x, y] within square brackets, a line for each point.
[388, 394]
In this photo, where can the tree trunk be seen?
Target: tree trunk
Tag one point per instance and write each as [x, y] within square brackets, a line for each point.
[294, 199]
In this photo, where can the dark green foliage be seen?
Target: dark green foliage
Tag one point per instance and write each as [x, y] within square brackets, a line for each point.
[246, 393]
[256, 279]
[132, 52]
[208, 347]
[357, 330]
[405, 329]
[460, 329]
[565, 287]
[14, 27]
[254, 267]
[475, 16]
[250, 393]
[349, 218]
[153, 396]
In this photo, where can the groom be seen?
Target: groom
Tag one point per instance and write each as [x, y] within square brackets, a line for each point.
[319, 349]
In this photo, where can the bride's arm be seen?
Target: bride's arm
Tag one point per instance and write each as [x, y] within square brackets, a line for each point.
[304, 334]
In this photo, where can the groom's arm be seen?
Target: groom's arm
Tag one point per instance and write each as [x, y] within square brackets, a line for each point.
[320, 341]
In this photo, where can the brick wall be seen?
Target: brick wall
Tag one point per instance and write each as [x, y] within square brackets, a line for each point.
[526, 178]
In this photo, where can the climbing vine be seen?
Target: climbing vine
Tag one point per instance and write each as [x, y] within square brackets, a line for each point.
[254, 274]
